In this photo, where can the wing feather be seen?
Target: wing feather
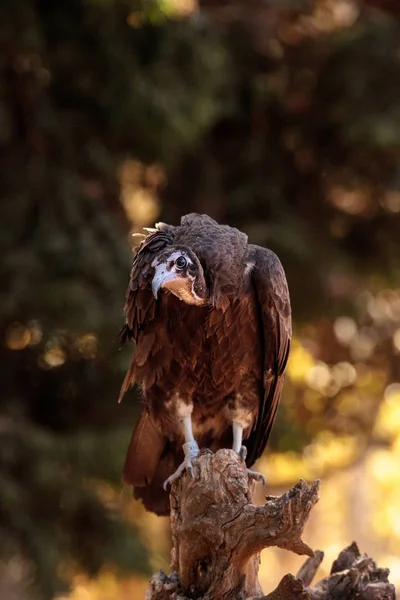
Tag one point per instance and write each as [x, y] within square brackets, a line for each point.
[140, 305]
[273, 303]
[144, 451]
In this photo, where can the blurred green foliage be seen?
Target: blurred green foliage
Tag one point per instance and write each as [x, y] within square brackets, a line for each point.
[280, 118]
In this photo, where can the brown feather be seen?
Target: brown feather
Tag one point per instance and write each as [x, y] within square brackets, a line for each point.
[276, 332]
[144, 451]
[153, 496]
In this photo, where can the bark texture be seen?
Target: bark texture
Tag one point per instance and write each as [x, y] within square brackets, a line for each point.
[218, 533]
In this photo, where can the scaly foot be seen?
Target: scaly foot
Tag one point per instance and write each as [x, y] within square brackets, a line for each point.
[191, 451]
[251, 474]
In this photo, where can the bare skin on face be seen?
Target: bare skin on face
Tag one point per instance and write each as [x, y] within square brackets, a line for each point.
[177, 274]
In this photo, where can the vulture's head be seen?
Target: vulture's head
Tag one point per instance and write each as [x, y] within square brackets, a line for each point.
[178, 270]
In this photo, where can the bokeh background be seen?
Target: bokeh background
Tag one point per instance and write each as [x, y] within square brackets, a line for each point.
[281, 117]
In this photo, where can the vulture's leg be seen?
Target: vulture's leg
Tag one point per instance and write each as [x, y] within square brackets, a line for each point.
[238, 447]
[190, 448]
[237, 439]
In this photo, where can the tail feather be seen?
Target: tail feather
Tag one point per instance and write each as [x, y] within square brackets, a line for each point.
[153, 496]
[144, 452]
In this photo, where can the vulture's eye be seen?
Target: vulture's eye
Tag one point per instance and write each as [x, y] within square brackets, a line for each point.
[181, 262]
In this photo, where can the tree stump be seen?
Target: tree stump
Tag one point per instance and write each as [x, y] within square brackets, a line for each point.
[218, 534]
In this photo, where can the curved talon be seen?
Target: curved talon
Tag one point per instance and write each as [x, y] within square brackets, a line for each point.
[191, 451]
[255, 475]
[251, 474]
[186, 465]
[174, 476]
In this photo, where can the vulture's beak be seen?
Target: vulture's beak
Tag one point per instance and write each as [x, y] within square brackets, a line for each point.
[161, 278]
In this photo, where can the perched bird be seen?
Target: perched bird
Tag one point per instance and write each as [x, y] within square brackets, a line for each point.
[210, 316]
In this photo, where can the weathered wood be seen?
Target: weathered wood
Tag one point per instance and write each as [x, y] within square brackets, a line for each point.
[354, 576]
[218, 533]
[290, 588]
[308, 570]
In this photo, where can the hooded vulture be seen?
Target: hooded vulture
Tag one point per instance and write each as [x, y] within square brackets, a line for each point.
[210, 318]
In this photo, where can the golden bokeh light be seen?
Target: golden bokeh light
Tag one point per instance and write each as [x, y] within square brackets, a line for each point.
[173, 8]
[300, 362]
[183, 7]
[87, 346]
[362, 345]
[345, 329]
[107, 586]
[139, 185]
[325, 454]
[319, 377]
[332, 14]
[344, 374]
[329, 451]
[353, 201]
[388, 421]
[18, 336]
[283, 467]
[140, 205]
[53, 357]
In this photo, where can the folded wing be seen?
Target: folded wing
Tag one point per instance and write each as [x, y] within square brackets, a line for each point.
[275, 331]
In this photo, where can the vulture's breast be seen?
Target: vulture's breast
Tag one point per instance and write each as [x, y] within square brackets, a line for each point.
[216, 356]
[233, 346]
[229, 369]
